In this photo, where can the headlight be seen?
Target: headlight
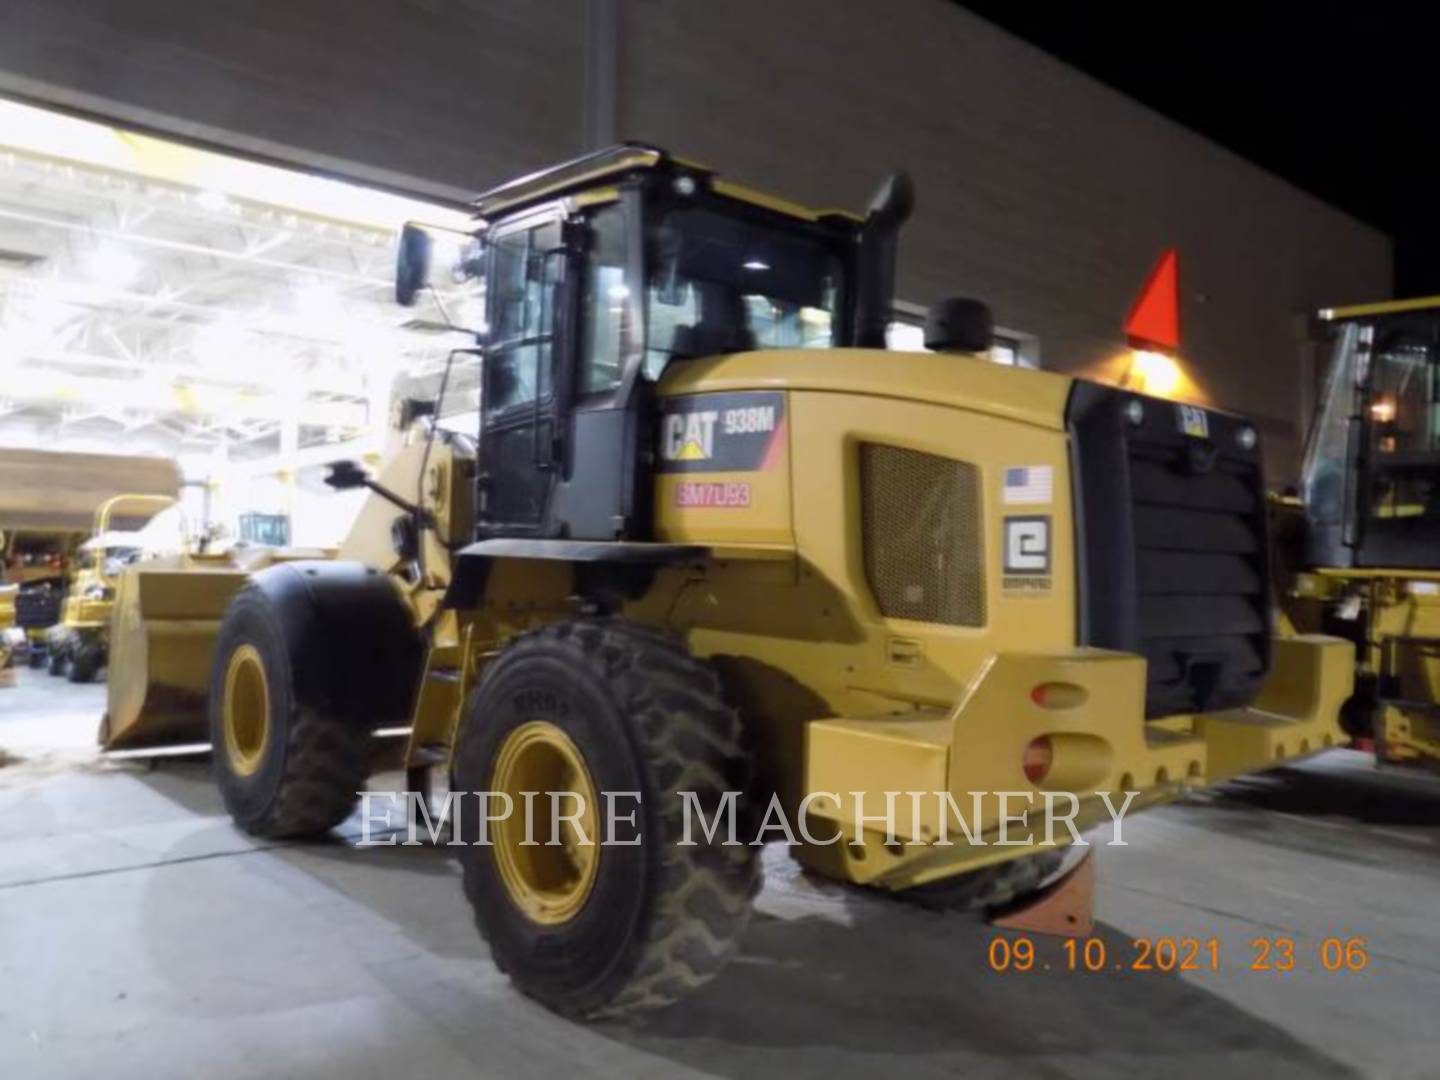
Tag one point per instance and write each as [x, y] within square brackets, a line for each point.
[1246, 437]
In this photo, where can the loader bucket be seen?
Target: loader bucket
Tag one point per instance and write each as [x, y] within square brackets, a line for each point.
[162, 639]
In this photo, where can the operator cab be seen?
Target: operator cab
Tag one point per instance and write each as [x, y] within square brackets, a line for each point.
[602, 272]
[1372, 467]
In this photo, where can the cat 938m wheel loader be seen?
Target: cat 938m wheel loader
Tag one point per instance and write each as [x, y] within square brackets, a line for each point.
[718, 551]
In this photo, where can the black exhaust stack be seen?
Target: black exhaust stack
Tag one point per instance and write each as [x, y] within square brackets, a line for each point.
[875, 284]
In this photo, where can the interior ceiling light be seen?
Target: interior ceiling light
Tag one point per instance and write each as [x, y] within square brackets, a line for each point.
[112, 266]
[755, 264]
[318, 299]
[214, 200]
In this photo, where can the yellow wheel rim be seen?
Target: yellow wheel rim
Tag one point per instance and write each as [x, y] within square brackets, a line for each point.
[547, 881]
[246, 710]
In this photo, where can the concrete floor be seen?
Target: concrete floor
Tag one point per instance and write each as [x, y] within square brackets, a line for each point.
[141, 935]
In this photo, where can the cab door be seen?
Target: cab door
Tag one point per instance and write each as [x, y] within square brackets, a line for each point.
[527, 303]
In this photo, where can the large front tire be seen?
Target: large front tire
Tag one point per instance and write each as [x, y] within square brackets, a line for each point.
[620, 709]
[283, 769]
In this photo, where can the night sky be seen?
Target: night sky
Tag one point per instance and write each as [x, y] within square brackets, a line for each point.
[1336, 98]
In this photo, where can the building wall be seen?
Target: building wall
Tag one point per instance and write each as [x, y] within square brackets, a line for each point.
[1040, 190]
[454, 94]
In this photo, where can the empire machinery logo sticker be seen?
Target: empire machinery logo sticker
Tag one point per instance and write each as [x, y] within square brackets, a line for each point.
[1027, 554]
[721, 433]
[1025, 562]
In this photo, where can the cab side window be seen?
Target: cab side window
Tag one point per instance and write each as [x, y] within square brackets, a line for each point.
[607, 304]
[524, 276]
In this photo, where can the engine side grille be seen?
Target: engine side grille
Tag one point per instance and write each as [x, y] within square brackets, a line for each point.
[921, 523]
[1173, 549]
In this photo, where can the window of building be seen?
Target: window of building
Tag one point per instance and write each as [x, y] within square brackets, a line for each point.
[906, 333]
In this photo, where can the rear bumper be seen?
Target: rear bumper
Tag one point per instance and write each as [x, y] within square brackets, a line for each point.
[1092, 715]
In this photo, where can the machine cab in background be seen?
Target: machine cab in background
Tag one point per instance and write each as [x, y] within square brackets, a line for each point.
[1372, 466]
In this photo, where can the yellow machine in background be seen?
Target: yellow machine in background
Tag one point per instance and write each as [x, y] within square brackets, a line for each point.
[1360, 549]
[48, 502]
[37, 563]
[80, 643]
[7, 625]
[717, 543]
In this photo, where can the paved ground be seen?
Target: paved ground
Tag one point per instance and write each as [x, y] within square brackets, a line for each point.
[140, 935]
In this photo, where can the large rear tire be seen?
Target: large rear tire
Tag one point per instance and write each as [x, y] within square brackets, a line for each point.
[283, 769]
[607, 706]
[989, 886]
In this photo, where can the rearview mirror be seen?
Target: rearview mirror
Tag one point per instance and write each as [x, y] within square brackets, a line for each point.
[412, 264]
[346, 475]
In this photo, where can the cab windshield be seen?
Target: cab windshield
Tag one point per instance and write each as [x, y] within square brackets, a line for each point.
[1403, 404]
[722, 282]
[1386, 376]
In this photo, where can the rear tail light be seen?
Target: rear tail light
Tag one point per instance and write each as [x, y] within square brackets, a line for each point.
[1039, 756]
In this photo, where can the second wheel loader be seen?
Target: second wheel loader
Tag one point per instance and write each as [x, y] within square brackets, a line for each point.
[1360, 546]
[719, 550]
[79, 646]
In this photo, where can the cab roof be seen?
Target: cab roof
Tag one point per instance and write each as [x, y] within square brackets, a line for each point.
[614, 163]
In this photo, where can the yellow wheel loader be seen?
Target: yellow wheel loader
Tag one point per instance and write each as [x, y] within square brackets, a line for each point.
[1359, 548]
[728, 571]
[8, 633]
[79, 645]
[38, 564]
[48, 502]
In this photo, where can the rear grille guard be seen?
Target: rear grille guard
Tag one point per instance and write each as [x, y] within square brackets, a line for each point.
[1171, 530]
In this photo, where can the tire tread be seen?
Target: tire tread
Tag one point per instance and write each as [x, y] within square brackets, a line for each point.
[689, 739]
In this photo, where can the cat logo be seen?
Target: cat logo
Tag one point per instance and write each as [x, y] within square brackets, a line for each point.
[689, 436]
[742, 431]
[1194, 422]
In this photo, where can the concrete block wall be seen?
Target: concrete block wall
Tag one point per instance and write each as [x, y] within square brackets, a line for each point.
[1040, 189]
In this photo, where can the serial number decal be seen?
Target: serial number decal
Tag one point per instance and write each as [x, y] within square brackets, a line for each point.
[734, 495]
[1273, 955]
[735, 432]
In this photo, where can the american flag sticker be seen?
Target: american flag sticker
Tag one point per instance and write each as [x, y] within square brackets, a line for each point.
[1028, 485]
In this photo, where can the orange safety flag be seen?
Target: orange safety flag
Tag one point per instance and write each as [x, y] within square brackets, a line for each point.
[1154, 321]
